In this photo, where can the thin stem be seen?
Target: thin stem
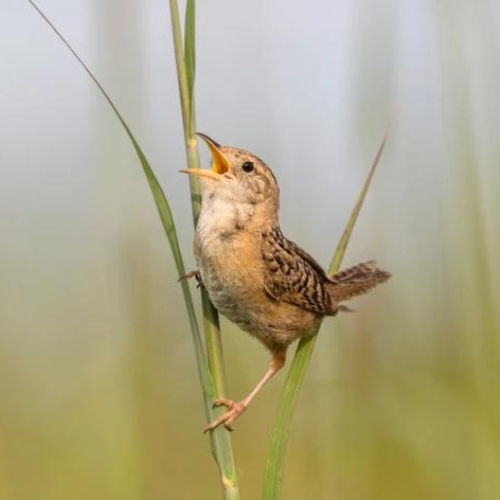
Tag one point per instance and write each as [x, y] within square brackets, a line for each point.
[279, 434]
[185, 62]
[188, 120]
[165, 217]
[221, 446]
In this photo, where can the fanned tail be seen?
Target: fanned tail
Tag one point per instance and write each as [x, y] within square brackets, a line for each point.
[355, 281]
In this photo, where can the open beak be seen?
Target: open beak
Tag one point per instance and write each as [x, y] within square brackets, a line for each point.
[220, 164]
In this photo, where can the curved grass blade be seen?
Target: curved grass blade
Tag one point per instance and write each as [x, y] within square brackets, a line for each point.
[295, 376]
[219, 440]
[158, 195]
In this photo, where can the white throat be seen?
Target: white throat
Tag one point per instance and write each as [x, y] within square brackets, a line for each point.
[220, 215]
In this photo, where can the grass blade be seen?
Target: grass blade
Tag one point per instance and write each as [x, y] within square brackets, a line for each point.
[280, 431]
[187, 103]
[159, 197]
[211, 319]
[189, 48]
[220, 446]
[185, 62]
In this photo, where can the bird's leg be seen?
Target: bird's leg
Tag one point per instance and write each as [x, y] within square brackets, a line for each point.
[192, 274]
[234, 409]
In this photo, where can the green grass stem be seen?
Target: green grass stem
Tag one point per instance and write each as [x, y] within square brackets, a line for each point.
[186, 70]
[211, 386]
[279, 434]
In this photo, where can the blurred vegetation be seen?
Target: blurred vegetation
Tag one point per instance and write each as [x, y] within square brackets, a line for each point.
[99, 395]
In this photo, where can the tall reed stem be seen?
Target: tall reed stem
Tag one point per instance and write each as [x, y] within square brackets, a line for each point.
[185, 63]
[279, 434]
[211, 372]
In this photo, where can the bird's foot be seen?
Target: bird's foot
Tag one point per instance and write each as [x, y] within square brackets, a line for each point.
[234, 410]
[192, 274]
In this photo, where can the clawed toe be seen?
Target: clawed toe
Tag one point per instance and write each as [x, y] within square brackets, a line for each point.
[228, 403]
[192, 274]
[234, 410]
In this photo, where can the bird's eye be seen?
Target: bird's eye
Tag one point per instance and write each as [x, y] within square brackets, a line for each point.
[247, 167]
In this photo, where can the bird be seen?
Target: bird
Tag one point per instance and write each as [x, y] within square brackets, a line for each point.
[253, 274]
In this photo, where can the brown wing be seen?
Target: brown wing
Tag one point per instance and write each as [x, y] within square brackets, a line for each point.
[292, 275]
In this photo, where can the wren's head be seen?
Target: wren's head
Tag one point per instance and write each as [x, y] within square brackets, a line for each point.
[238, 177]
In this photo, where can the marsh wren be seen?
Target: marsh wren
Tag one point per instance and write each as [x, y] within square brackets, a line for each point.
[254, 276]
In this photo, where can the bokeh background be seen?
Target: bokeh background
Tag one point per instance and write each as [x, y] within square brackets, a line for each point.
[99, 396]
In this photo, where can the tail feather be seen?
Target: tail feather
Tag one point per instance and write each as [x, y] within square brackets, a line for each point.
[355, 281]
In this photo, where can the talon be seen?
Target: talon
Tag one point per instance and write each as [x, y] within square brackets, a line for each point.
[228, 403]
[191, 274]
[227, 418]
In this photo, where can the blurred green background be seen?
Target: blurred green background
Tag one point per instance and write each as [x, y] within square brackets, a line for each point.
[99, 395]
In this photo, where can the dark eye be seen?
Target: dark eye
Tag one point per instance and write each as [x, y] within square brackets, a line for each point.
[247, 167]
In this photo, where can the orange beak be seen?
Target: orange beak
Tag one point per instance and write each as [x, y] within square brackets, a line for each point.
[220, 164]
